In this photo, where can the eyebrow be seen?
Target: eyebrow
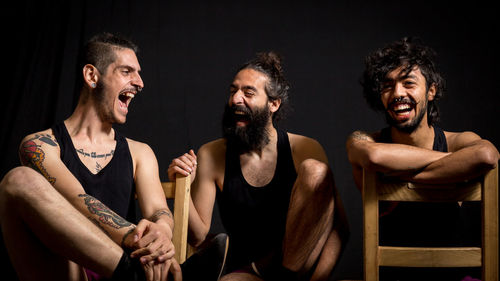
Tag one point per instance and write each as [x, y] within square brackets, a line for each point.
[244, 87]
[127, 67]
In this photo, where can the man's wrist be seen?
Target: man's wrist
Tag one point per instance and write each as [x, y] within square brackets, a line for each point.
[123, 243]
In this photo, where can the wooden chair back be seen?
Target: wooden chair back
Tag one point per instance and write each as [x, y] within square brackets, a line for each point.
[179, 191]
[484, 189]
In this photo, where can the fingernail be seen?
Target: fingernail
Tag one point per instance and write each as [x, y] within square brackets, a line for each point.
[143, 260]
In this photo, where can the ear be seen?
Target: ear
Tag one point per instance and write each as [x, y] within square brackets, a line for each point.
[274, 105]
[90, 75]
[431, 93]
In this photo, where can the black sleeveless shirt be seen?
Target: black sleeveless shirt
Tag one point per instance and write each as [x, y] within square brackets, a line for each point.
[114, 185]
[255, 217]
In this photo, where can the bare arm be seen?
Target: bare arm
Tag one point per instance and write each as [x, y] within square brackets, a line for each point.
[203, 169]
[306, 148]
[41, 152]
[154, 233]
[470, 157]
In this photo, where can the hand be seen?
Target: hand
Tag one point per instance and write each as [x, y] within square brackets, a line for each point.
[152, 242]
[184, 165]
[155, 271]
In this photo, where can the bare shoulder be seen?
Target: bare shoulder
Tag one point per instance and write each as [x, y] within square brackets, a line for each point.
[43, 140]
[213, 152]
[45, 136]
[459, 140]
[364, 136]
[305, 147]
[140, 151]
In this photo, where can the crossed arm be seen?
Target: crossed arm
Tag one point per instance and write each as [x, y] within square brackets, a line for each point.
[469, 156]
[150, 239]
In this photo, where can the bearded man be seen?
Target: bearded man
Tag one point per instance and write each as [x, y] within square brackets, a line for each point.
[276, 194]
[402, 81]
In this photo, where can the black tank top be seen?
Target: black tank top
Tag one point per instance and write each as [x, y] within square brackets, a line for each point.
[114, 185]
[255, 217]
[418, 223]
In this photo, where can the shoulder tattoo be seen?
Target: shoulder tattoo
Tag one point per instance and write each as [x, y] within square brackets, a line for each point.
[32, 155]
[360, 135]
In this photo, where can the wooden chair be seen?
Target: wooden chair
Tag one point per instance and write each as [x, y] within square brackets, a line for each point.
[484, 189]
[180, 192]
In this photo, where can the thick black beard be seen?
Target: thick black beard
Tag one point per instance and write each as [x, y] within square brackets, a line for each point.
[254, 136]
[406, 128]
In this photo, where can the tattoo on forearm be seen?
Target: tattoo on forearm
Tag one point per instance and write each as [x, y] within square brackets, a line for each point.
[156, 216]
[105, 215]
[126, 235]
[32, 155]
[96, 222]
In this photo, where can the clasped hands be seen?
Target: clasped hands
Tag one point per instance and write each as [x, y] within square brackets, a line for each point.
[151, 244]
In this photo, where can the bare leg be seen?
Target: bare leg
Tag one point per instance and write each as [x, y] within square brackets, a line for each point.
[43, 231]
[311, 213]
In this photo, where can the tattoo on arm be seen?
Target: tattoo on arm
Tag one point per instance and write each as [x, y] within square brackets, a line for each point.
[359, 135]
[96, 222]
[104, 214]
[156, 216]
[126, 235]
[32, 155]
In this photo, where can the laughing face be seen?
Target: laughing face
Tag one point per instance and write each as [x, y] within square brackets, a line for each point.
[405, 97]
[247, 116]
[118, 86]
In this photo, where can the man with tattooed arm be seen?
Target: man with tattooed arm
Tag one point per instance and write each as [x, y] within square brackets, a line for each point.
[402, 81]
[71, 206]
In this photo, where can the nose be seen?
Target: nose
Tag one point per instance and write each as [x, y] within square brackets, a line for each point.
[399, 90]
[137, 82]
[236, 98]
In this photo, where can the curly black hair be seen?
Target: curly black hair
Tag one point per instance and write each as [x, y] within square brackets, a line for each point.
[406, 53]
[269, 63]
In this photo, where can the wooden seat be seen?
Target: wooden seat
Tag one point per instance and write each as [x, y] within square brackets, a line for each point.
[180, 192]
[484, 189]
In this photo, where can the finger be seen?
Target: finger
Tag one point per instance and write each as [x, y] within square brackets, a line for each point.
[188, 159]
[184, 164]
[175, 270]
[157, 268]
[148, 271]
[164, 270]
[191, 152]
[148, 238]
[140, 229]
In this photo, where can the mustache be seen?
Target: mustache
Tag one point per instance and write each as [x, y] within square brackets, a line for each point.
[244, 109]
[402, 100]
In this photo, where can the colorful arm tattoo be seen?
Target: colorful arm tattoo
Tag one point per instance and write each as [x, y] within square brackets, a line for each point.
[32, 155]
[104, 214]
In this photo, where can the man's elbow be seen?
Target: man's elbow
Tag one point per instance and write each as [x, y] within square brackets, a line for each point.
[488, 155]
[196, 239]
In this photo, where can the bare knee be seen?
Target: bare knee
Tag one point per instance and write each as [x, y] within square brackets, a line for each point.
[18, 182]
[315, 177]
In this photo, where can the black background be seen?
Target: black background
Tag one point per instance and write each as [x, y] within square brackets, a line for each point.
[189, 51]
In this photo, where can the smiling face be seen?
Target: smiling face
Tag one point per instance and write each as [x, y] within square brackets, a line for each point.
[405, 96]
[247, 116]
[118, 86]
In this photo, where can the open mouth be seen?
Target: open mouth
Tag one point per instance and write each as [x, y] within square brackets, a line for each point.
[125, 97]
[241, 117]
[401, 110]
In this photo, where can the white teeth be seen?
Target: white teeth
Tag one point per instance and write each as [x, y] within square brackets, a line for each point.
[402, 107]
[130, 95]
[239, 112]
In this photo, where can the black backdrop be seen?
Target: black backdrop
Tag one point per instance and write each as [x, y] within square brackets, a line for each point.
[189, 51]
